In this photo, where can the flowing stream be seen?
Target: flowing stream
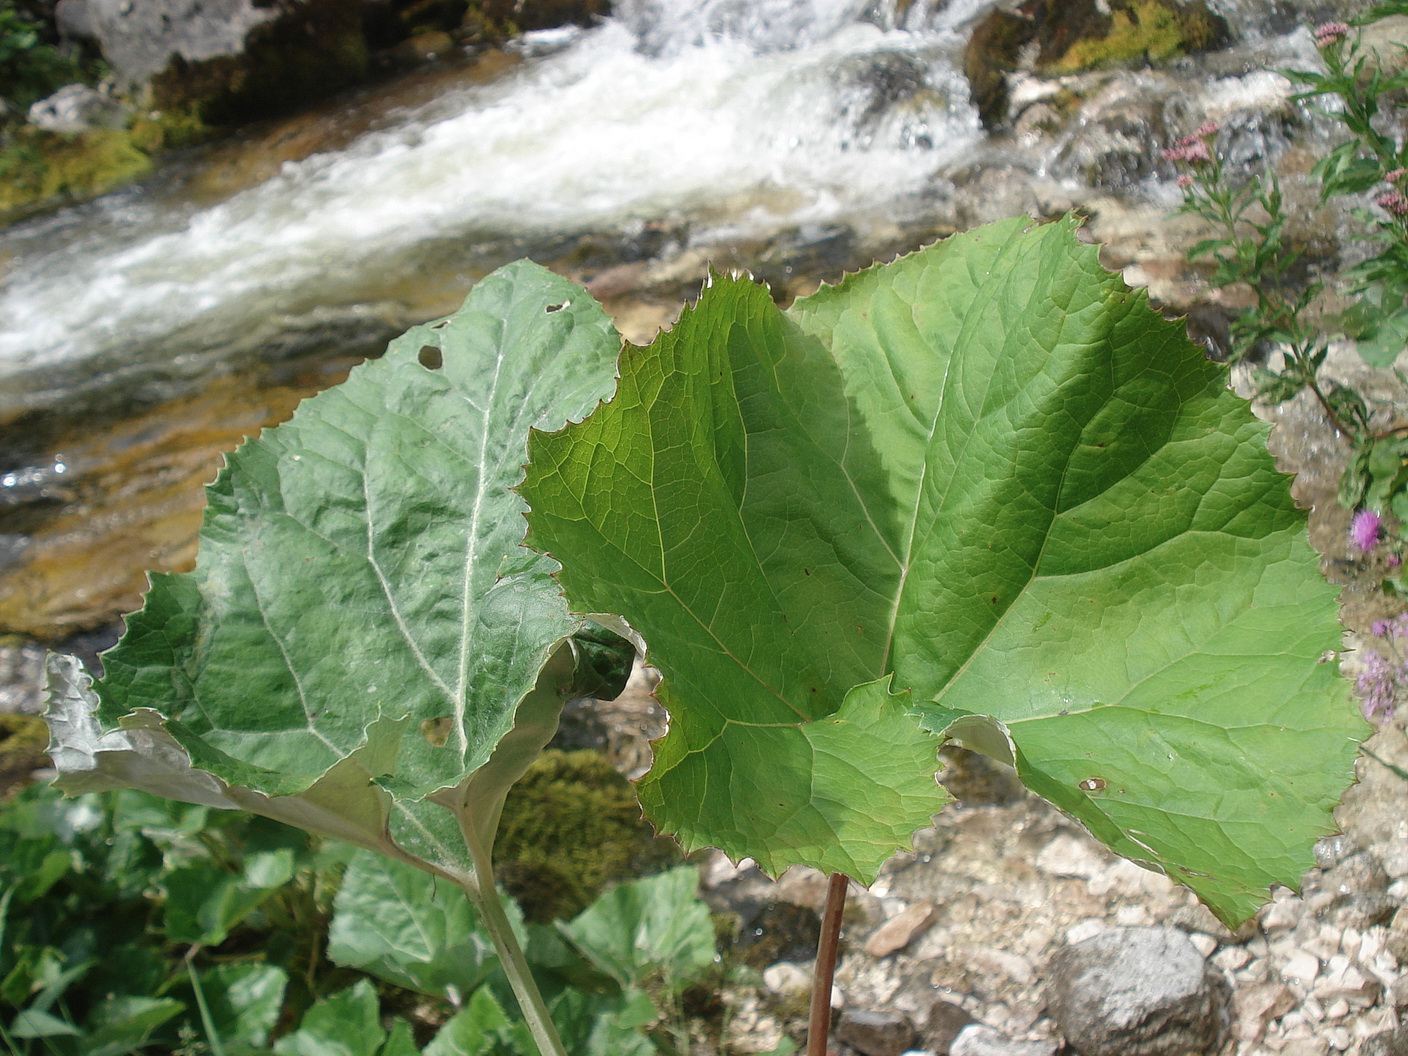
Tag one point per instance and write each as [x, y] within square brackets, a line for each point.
[743, 118]
[673, 131]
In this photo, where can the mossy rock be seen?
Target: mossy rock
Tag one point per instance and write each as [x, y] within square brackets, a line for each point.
[572, 825]
[24, 743]
[315, 50]
[1137, 32]
[36, 165]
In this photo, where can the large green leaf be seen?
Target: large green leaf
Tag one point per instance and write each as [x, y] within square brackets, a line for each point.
[992, 473]
[363, 641]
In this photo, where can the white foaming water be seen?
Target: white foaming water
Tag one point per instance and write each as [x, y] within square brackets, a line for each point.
[757, 115]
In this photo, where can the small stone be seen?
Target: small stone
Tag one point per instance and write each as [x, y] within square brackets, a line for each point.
[1256, 1005]
[1132, 915]
[787, 978]
[876, 1033]
[1137, 992]
[1084, 930]
[978, 1040]
[1014, 966]
[1305, 1047]
[1282, 914]
[1303, 967]
[1205, 944]
[1397, 938]
[1067, 855]
[900, 930]
[1331, 850]
[1230, 958]
[946, 1022]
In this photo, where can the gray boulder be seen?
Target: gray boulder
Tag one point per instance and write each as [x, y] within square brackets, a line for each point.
[232, 60]
[139, 38]
[1138, 992]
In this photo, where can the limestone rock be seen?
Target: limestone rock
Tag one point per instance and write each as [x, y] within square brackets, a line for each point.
[77, 108]
[1137, 992]
[140, 37]
[978, 1040]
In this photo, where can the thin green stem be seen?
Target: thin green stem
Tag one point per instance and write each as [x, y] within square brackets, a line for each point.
[481, 893]
[819, 1022]
[212, 1035]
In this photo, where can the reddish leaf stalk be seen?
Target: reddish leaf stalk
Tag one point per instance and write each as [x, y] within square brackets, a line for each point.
[819, 1023]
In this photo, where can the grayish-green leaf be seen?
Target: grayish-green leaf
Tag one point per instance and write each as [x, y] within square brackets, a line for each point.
[363, 633]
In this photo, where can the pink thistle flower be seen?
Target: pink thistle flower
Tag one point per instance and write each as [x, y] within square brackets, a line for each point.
[1395, 559]
[1207, 130]
[1328, 33]
[1379, 628]
[1185, 180]
[1395, 175]
[1393, 202]
[1364, 531]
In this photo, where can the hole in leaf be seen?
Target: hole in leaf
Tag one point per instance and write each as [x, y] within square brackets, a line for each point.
[1093, 784]
[558, 307]
[440, 325]
[436, 731]
[431, 357]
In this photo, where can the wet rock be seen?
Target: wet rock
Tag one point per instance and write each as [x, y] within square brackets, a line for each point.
[1137, 992]
[77, 108]
[978, 1040]
[528, 15]
[993, 52]
[779, 931]
[876, 1033]
[1134, 32]
[946, 1022]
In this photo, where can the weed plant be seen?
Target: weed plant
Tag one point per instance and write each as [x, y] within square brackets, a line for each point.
[1284, 335]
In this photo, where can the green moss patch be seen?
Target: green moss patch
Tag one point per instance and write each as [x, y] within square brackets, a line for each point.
[24, 742]
[35, 165]
[1143, 31]
[571, 826]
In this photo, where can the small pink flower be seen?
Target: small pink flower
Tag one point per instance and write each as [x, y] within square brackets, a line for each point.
[1328, 33]
[1394, 202]
[1207, 130]
[1379, 628]
[1190, 150]
[1364, 531]
[1377, 685]
[1395, 559]
[1395, 175]
[1185, 180]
